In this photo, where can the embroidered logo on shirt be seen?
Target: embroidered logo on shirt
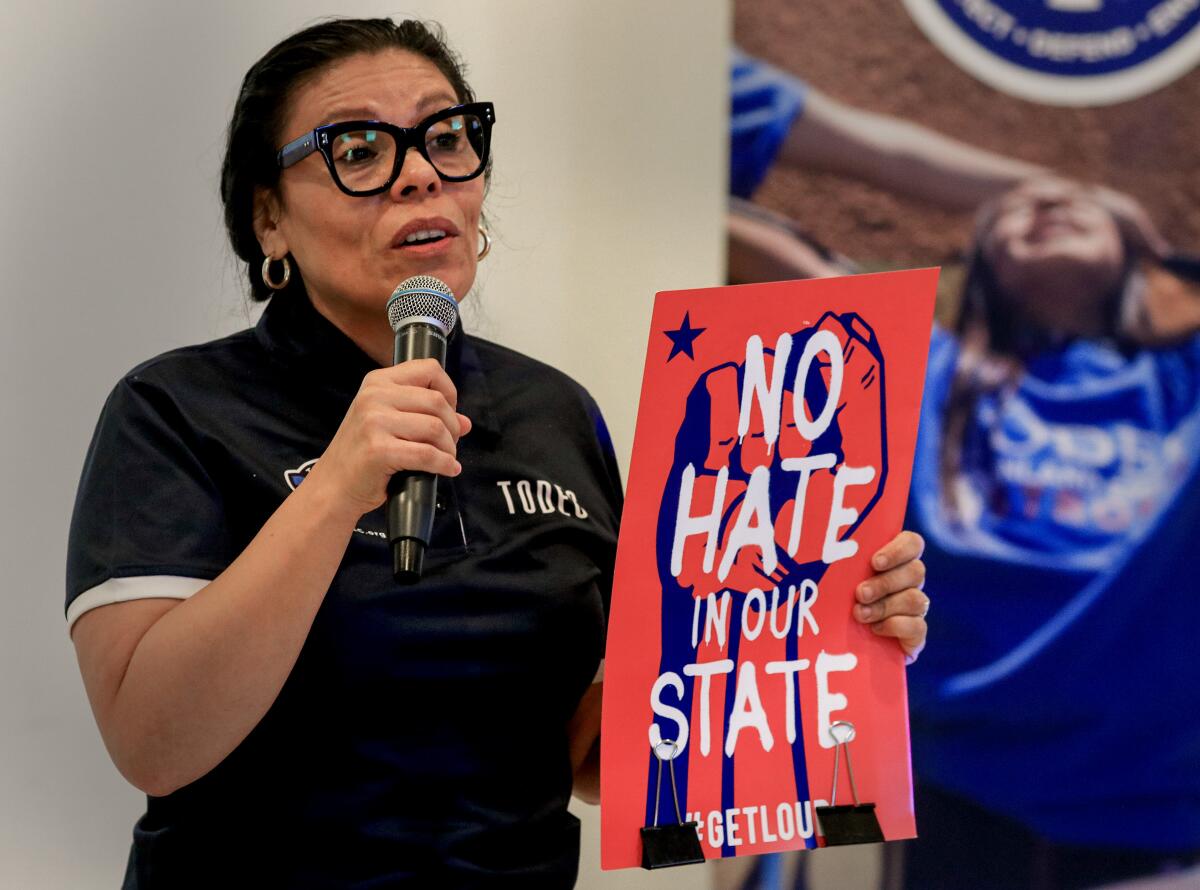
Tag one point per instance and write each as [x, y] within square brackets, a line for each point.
[540, 496]
[293, 478]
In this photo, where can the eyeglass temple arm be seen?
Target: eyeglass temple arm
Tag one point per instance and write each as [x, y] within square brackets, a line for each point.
[298, 149]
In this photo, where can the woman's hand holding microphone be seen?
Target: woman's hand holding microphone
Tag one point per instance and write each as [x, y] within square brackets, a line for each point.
[402, 418]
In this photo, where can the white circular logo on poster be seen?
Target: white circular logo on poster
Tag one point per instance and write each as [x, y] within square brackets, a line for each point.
[1066, 52]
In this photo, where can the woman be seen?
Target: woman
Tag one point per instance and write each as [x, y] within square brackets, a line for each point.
[296, 718]
[1055, 732]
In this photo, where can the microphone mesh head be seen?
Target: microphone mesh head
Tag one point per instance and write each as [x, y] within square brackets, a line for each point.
[423, 298]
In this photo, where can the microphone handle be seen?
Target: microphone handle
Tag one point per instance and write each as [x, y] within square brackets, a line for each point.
[412, 496]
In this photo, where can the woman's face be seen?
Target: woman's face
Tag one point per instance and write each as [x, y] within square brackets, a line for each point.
[1055, 252]
[351, 250]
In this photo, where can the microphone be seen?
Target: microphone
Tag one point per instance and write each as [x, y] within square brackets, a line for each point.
[422, 311]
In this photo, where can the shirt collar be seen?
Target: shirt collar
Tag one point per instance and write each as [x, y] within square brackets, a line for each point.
[296, 333]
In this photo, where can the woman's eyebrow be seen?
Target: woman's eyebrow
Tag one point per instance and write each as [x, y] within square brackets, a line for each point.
[432, 102]
[437, 101]
[346, 114]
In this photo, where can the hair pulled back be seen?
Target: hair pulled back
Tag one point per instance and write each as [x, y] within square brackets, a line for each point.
[262, 106]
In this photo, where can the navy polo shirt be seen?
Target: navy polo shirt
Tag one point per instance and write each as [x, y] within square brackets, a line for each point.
[420, 740]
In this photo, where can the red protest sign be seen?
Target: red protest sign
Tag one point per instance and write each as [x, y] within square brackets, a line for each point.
[772, 456]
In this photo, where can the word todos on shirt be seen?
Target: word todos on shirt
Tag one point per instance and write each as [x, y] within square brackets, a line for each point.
[540, 496]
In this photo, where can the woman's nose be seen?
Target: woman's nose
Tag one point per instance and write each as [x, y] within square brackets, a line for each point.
[417, 176]
[1049, 200]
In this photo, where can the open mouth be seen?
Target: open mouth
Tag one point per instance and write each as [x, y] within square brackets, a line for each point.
[425, 236]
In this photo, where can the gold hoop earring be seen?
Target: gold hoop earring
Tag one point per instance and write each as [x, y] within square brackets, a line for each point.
[266, 273]
[487, 243]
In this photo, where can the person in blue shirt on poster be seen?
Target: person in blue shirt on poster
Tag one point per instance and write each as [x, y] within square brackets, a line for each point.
[1055, 736]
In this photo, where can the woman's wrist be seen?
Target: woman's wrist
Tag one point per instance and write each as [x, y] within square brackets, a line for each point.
[327, 501]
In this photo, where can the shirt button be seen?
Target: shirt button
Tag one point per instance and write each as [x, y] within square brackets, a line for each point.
[440, 506]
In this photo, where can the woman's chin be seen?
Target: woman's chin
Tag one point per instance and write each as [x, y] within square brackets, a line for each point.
[1073, 283]
[452, 270]
[1061, 261]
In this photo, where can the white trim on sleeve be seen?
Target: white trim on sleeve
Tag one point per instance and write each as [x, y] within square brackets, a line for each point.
[141, 587]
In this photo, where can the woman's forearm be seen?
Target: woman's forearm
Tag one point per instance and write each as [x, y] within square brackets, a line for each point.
[587, 776]
[206, 672]
[583, 737]
[900, 155]
[760, 251]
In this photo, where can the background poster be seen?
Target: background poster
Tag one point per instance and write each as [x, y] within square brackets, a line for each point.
[731, 630]
[892, 141]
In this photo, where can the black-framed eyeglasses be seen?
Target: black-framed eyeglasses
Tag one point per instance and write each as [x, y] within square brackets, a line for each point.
[364, 157]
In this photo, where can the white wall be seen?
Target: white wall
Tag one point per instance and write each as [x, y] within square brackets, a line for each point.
[112, 250]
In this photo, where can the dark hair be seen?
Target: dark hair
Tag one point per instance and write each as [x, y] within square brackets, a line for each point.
[262, 106]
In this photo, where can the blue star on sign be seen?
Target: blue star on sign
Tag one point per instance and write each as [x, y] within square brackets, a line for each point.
[682, 339]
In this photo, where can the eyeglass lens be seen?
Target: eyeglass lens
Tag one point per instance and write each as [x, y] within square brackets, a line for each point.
[363, 159]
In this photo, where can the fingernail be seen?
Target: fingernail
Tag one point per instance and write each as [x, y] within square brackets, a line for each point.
[864, 613]
[457, 468]
[864, 593]
[879, 562]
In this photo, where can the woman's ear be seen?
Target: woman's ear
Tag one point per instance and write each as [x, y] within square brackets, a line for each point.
[267, 212]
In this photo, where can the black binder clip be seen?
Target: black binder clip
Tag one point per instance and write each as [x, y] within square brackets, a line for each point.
[849, 824]
[666, 845]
